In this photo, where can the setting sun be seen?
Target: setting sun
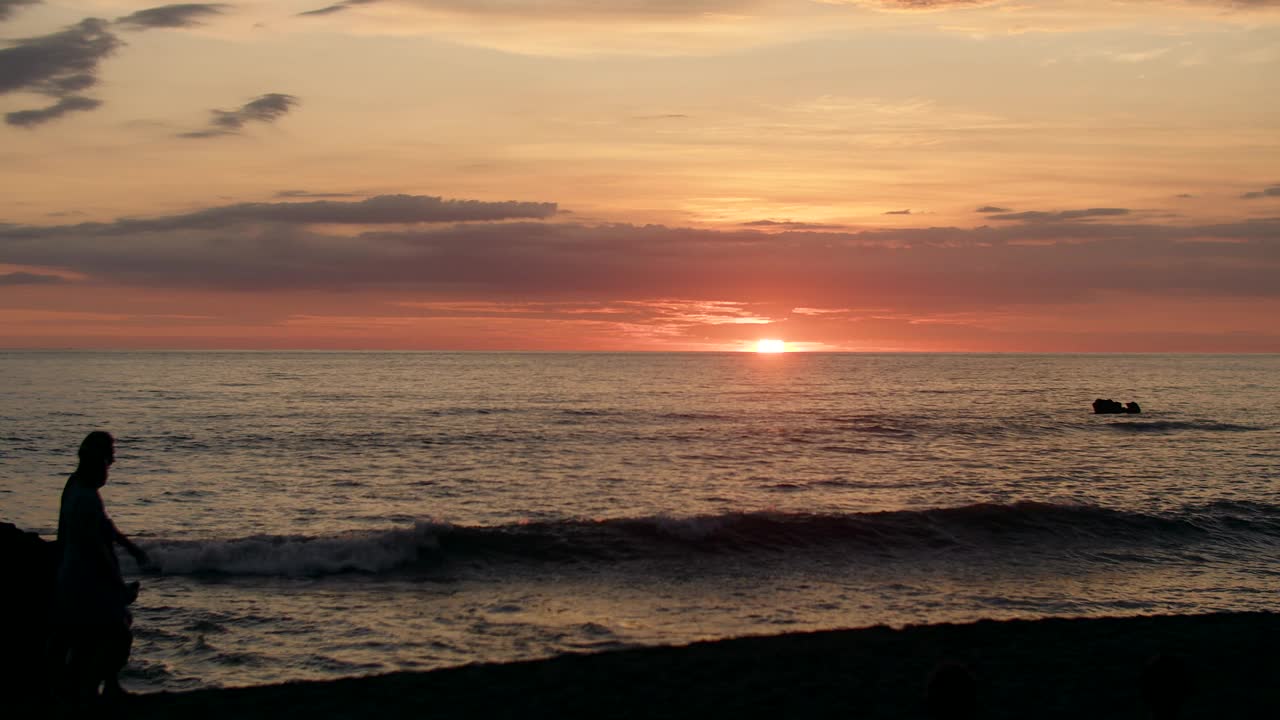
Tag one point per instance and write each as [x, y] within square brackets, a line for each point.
[770, 346]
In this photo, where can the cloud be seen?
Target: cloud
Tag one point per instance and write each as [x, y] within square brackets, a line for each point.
[60, 66]
[897, 212]
[1062, 216]
[563, 9]
[64, 105]
[171, 16]
[1273, 191]
[932, 5]
[9, 7]
[991, 209]
[309, 194]
[264, 108]
[929, 4]
[339, 7]
[379, 210]
[791, 225]
[26, 278]
[278, 248]
[64, 64]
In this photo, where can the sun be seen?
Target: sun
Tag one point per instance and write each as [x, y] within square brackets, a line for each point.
[770, 345]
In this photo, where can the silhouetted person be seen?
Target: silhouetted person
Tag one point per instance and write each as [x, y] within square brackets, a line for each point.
[92, 619]
[1166, 684]
[953, 694]
[1132, 408]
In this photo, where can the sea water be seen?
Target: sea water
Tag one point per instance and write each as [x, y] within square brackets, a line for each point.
[318, 515]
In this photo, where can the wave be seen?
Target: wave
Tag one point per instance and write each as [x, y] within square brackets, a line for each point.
[974, 527]
[1161, 426]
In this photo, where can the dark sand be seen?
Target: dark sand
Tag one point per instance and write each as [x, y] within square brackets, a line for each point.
[1068, 668]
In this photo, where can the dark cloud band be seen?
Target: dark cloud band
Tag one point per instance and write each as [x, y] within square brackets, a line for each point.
[379, 210]
[270, 247]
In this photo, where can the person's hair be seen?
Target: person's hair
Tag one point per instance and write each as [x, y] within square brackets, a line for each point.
[97, 445]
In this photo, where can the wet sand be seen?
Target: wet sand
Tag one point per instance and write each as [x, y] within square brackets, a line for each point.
[1056, 668]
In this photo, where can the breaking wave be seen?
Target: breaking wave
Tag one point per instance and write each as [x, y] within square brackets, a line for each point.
[973, 527]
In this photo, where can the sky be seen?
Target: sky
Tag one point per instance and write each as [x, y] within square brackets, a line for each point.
[650, 175]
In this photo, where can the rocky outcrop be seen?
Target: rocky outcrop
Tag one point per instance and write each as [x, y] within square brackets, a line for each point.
[1109, 406]
[31, 567]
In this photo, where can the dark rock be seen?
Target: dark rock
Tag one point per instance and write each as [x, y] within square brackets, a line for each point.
[31, 568]
[1102, 407]
[1109, 406]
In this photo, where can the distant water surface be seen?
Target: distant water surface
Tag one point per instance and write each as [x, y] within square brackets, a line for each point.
[328, 514]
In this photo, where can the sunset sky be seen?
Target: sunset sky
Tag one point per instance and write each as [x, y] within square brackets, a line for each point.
[963, 175]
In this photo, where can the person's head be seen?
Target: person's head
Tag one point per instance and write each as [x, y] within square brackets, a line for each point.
[97, 453]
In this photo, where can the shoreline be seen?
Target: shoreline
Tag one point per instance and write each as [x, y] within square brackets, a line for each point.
[1043, 668]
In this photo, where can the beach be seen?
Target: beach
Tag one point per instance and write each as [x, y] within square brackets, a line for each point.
[1046, 668]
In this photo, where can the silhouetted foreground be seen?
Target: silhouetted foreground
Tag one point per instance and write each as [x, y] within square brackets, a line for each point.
[31, 567]
[1085, 668]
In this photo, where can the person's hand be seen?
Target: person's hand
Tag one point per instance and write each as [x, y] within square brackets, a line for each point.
[144, 562]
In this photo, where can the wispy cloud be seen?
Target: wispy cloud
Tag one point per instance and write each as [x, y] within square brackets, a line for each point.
[926, 5]
[64, 64]
[565, 9]
[337, 7]
[9, 7]
[59, 66]
[1272, 191]
[315, 195]
[27, 278]
[39, 116]
[171, 16]
[262, 109]
[1038, 216]
[791, 225]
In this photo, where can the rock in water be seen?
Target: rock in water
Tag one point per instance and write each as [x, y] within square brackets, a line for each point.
[1109, 406]
[1103, 407]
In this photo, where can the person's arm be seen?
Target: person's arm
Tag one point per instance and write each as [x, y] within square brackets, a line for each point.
[139, 555]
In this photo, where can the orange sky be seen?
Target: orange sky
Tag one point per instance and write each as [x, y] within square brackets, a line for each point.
[1081, 175]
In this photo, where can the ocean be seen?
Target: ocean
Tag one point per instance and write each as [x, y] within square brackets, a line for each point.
[318, 515]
